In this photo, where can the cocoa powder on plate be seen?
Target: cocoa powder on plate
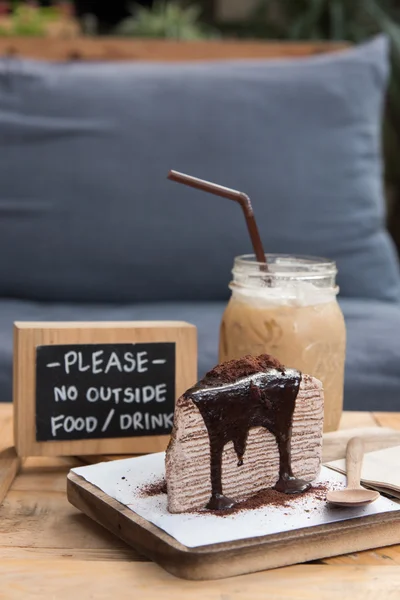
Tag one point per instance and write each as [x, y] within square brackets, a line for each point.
[265, 498]
[155, 489]
[271, 497]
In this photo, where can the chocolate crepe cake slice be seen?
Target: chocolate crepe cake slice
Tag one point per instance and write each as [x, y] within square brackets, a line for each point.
[248, 425]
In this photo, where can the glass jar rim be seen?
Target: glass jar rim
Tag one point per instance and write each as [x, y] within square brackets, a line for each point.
[287, 265]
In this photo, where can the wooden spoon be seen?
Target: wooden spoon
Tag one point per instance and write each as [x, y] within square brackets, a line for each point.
[354, 494]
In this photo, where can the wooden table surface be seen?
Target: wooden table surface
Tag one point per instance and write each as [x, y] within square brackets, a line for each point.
[50, 550]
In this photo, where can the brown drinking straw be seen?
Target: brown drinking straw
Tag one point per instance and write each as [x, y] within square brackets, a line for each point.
[235, 195]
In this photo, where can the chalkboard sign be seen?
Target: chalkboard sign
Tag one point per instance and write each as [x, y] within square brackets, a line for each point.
[94, 391]
[99, 388]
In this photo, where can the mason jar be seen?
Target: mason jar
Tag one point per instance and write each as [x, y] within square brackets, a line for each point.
[290, 311]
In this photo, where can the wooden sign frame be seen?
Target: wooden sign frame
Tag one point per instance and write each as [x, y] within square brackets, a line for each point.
[28, 336]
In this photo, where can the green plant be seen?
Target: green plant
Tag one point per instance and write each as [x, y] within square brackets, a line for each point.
[29, 21]
[320, 19]
[165, 20]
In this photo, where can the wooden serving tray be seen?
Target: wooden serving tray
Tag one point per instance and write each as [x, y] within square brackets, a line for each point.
[232, 558]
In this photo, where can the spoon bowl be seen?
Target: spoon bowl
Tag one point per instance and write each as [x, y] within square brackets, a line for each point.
[352, 497]
[354, 494]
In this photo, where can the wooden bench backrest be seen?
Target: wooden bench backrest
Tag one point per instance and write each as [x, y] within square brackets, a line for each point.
[109, 49]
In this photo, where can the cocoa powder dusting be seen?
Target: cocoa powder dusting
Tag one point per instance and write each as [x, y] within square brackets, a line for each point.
[271, 497]
[232, 370]
[155, 489]
[268, 497]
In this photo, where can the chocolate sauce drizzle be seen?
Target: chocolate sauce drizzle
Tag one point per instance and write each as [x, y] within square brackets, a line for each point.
[231, 408]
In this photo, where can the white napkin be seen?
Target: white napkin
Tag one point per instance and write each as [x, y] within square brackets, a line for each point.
[124, 480]
[380, 470]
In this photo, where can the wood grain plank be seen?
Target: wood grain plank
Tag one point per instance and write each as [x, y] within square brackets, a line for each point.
[375, 438]
[351, 419]
[9, 461]
[90, 554]
[5, 409]
[44, 519]
[93, 459]
[6, 423]
[43, 464]
[380, 556]
[9, 466]
[110, 49]
[388, 419]
[22, 579]
[34, 480]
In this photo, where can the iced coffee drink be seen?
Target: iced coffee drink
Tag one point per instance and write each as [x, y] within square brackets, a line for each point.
[288, 308]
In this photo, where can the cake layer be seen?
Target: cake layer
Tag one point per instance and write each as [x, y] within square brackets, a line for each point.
[188, 454]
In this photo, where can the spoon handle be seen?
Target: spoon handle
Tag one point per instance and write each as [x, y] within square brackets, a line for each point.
[354, 459]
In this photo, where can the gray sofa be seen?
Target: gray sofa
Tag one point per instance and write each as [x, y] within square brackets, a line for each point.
[90, 228]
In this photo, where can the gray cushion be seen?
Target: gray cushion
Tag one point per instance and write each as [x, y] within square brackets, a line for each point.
[373, 352]
[88, 215]
[373, 355]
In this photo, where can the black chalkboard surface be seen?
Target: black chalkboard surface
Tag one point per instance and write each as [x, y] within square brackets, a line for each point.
[95, 391]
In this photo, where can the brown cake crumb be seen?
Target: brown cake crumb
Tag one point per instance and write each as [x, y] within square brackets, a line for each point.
[155, 489]
[268, 497]
[232, 370]
[271, 497]
[265, 498]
